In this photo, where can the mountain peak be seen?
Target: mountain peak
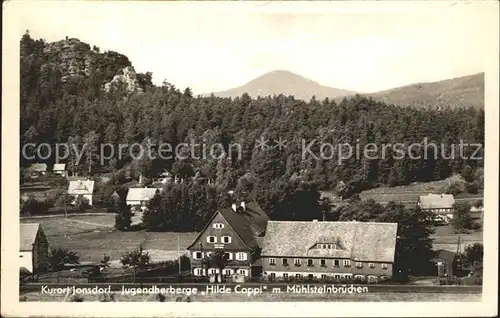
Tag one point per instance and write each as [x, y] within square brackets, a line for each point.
[287, 83]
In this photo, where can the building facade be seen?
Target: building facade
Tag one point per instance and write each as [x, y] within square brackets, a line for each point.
[81, 188]
[33, 248]
[441, 205]
[339, 251]
[234, 231]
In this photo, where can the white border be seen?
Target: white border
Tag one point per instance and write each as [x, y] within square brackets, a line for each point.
[10, 158]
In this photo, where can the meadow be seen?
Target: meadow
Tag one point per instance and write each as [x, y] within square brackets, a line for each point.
[93, 236]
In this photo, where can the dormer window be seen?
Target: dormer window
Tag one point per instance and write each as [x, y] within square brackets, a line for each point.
[327, 246]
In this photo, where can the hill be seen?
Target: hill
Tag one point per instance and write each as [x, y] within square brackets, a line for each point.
[286, 83]
[466, 91]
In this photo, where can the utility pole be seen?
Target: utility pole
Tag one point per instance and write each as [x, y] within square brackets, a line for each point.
[202, 260]
[179, 253]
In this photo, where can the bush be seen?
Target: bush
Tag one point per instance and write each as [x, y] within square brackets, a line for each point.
[75, 298]
[60, 256]
[472, 187]
[107, 297]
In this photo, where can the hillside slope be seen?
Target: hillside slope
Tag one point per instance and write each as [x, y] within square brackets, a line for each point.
[286, 83]
[463, 91]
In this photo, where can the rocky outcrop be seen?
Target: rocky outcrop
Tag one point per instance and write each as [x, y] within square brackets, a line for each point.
[128, 79]
[74, 58]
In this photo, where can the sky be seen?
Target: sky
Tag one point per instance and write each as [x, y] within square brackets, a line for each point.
[360, 46]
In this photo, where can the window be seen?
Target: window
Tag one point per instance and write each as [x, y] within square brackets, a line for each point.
[371, 265]
[298, 275]
[359, 264]
[272, 275]
[323, 262]
[241, 256]
[285, 262]
[336, 263]
[310, 276]
[285, 275]
[218, 226]
[228, 255]
[197, 255]
[211, 271]
[211, 239]
[198, 272]
[384, 266]
[242, 272]
[226, 239]
[272, 261]
[227, 271]
[330, 246]
[310, 262]
[347, 263]
[296, 262]
[320, 245]
[323, 277]
[207, 254]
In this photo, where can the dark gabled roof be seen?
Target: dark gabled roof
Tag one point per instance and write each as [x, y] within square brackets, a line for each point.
[256, 217]
[247, 224]
[444, 254]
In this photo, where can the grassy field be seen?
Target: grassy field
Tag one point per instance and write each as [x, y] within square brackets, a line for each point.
[445, 238]
[92, 236]
[411, 192]
[374, 297]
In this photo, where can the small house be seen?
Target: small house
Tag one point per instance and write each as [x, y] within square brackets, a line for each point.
[33, 248]
[81, 188]
[38, 169]
[140, 196]
[234, 230]
[60, 169]
[335, 251]
[445, 262]
[439, 204]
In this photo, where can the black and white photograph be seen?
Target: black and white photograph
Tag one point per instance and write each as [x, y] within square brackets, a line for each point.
[280, 152]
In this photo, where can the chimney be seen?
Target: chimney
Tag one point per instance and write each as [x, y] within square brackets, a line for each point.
[242, 204]
[233, 206]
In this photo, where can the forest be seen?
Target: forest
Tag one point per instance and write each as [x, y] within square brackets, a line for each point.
[61, 106]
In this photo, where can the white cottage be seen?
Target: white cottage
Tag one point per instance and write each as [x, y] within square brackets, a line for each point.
[60, 169]
[140, 196]
[83, 188]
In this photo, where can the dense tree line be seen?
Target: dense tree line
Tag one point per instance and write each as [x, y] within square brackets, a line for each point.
[79, 111]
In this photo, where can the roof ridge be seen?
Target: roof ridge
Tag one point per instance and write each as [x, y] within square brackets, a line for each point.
[336, 222]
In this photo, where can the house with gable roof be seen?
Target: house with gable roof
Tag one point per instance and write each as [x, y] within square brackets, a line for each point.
[60, 169]
[33, 248]
[237, 231]
[81, 188]
[439, 204]
[140, 196]
[329, 250]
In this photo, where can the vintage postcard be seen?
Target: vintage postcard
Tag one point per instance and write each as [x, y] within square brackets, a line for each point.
[255, 158]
